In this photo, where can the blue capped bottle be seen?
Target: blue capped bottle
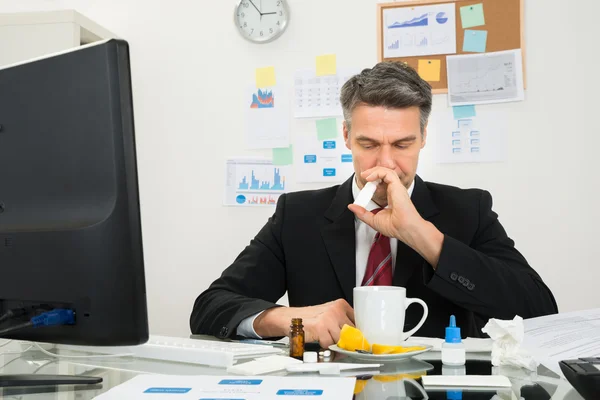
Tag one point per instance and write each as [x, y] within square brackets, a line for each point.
[453, 349]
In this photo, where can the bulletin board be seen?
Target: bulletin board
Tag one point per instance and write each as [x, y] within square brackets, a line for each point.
[503, 23]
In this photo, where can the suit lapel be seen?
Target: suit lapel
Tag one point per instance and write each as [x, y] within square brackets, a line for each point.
[408, 260]
[339, 236]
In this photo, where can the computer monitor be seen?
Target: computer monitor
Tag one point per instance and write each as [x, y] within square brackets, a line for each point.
[70, 230]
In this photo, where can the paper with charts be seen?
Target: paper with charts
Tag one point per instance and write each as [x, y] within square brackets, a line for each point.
[326, 161]
[194, 387]
[267, 118]
[485, 78]
[252, 182]
[319, 96]
[419, 31]
[483, 138]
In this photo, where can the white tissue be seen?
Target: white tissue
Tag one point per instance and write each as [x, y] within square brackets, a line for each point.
[507, 338]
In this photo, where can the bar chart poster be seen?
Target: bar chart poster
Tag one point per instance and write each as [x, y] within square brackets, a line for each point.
[253, 182]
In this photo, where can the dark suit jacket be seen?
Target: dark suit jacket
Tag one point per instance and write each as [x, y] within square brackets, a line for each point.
[307, 248]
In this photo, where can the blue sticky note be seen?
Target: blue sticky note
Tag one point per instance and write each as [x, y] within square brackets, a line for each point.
[310, 159]
[461, 112]
[472, 15]
[346, 158]
[328, 171]
[475, 41]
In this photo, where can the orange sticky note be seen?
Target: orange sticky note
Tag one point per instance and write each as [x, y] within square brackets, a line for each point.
[326, 65]
[430, 70]
[265, 77]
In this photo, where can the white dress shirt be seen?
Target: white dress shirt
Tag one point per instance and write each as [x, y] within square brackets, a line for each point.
[364, 237]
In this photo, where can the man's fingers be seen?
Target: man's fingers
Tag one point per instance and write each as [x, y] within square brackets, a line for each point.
[326, 339]
[346, 321]
[333, 336]
[348, 310]
[310, 336]
[385, 174]
[365, 216]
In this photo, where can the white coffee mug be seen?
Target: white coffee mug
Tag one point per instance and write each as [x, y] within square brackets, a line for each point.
[380, 389]
[379, 314]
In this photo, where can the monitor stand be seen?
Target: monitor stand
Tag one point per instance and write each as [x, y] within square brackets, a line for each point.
[46, 380]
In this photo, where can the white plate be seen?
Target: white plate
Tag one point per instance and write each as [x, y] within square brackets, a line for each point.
[380, 357]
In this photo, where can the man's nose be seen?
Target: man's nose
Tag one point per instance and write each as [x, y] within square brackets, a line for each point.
[385, 158]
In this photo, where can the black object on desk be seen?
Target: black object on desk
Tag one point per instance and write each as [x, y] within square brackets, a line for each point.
[47, 380]
[584, 375]
[70, 230]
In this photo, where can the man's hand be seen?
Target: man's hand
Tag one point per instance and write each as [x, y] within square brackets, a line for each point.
[322, 323]
[401, 220]
[401, 217]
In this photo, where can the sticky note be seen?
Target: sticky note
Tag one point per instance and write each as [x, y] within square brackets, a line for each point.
[327, 129]
[283, 156]
[475, 41]
[461, 112]
[326, 65]
[472, 15]
[265, 77]
[430, 70]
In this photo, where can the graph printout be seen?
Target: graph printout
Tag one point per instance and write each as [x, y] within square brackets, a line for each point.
[419, 31]
[254, 182]
[485, 78]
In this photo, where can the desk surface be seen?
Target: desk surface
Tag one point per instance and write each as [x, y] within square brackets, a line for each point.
[544, 385]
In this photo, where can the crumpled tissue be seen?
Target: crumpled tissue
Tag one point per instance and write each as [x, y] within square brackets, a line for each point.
[507, 336]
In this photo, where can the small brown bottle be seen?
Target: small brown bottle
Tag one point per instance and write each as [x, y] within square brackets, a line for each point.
[297, 339]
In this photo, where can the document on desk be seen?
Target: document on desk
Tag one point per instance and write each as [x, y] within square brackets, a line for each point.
[231, 387]
[558, 337]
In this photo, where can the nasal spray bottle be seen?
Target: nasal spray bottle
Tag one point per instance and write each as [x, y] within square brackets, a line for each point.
[453, 349]
[366, 194]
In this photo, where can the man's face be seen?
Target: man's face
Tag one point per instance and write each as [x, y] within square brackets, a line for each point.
[384, 137]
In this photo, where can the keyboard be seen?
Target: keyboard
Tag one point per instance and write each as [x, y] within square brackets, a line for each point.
[195, 351]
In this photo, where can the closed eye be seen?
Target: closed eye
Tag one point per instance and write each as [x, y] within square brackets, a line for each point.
[367, 144]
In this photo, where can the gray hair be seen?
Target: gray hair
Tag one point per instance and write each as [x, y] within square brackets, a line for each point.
[390, 85]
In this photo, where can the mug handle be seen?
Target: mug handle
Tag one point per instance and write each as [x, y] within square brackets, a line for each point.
[416, 384]
[421, 322]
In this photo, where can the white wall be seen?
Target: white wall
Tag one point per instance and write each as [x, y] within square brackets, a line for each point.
[189, 70]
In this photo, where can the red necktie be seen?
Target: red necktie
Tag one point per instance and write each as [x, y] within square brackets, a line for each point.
[379, 265]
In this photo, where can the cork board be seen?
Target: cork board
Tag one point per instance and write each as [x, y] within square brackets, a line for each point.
[503, 23]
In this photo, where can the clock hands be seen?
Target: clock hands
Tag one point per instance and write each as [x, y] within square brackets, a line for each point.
[251, 2]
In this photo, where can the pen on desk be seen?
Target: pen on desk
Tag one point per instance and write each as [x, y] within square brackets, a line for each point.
[264, 342]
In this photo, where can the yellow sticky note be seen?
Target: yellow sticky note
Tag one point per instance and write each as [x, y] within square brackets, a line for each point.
[326, 65]
[430, 70]
[265, 77]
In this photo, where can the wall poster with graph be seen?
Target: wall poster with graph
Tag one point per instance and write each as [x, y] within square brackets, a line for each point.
[254, 182]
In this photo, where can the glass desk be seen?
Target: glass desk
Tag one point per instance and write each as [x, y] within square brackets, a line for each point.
[398, 381]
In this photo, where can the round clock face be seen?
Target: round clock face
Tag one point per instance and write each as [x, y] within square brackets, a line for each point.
[261, 21]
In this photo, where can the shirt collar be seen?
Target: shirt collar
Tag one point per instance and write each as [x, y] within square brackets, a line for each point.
[372, 205]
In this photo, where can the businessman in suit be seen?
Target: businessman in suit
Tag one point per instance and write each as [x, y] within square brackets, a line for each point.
[445, 245]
